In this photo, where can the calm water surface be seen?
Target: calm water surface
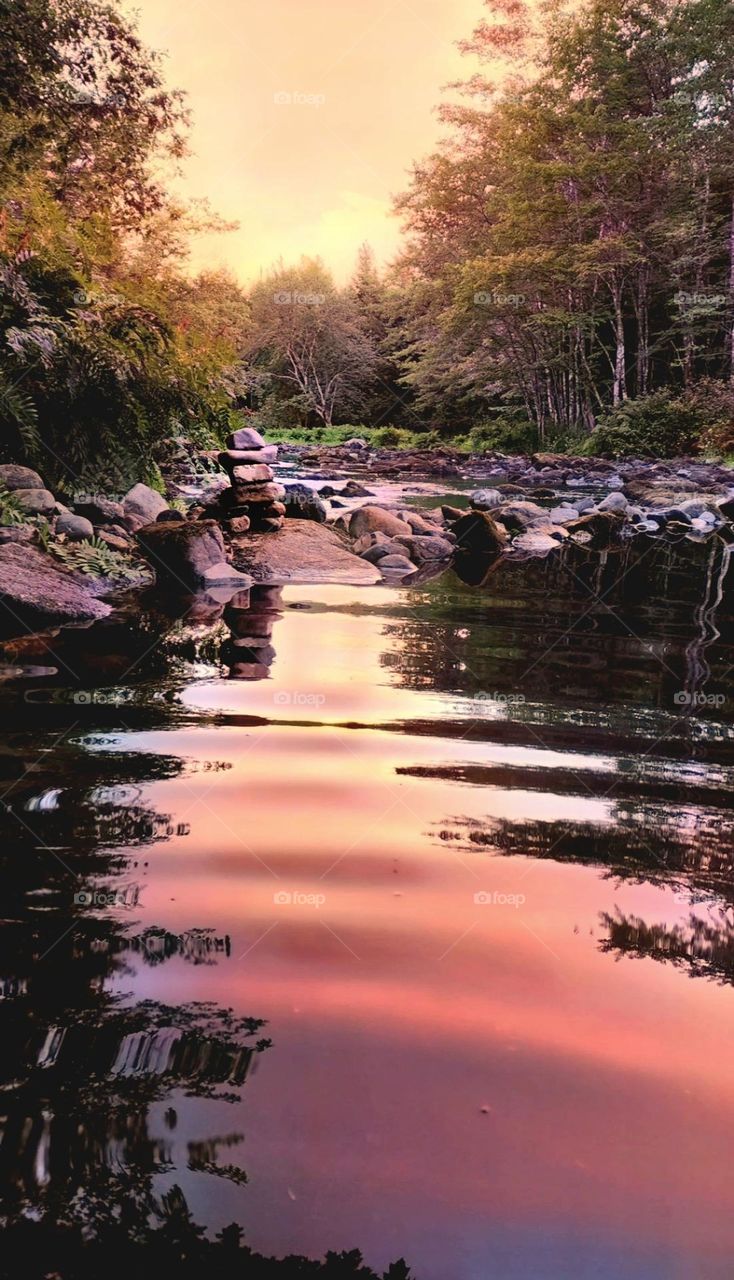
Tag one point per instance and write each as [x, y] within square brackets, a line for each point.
[458, 862]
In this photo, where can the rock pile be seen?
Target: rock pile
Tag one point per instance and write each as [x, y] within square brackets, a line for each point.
[253, 502]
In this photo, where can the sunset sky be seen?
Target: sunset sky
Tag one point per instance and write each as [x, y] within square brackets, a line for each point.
[315, 174]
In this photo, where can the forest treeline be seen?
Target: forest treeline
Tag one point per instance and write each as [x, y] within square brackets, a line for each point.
[567, 278]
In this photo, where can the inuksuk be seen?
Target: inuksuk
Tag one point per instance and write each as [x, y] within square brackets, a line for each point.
[253, 502]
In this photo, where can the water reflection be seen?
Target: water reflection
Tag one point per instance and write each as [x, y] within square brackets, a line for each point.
[414, 829]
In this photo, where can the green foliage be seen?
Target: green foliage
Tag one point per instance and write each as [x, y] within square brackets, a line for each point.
[95, 559]
[656, 426]
[507, 433]
[11, 510]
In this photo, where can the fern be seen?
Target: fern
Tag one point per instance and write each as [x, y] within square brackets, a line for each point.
[18, 412]
[11, 511]
[95, 559]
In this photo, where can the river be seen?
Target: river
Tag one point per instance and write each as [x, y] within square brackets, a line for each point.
[397, 918]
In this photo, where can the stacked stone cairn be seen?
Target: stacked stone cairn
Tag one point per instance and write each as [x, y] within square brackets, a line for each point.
[253, 501]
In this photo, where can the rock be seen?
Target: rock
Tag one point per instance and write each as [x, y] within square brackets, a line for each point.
[255, 473]
[726, 508]
[35, 590]
[302, 551]
[419, 524]
[535, 543]
[370, 519]
[615, 502]
[142, 505]
[561, 515]
[245, 438]
[75, 528]
[101, 511]
[18, 533]
[223, 575]
[477, 533]
[169, 516]
[245, 494]
[238, 524]
[113, 540]
[450, 514]
[183, 551]
[422, 548]
[302, 503]
[15, 477]
[486, 499]
[37, 502]
[519, 516]
[381, 549]
[398, 565]
[247, 457]
[355, 443]
[369, 540]
[353, 489]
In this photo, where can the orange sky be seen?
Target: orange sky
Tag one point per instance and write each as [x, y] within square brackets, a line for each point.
[314, 174]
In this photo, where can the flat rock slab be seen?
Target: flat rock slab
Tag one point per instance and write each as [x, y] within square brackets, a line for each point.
[35, 590]
[301, 551]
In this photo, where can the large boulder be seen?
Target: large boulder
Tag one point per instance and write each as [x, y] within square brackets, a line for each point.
[371, 519]
[302, 551]
[183, 551]
[36, 590]
[142, 505]
[478, 534]
[15, 477]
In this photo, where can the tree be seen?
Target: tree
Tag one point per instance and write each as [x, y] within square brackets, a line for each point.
[307, 337]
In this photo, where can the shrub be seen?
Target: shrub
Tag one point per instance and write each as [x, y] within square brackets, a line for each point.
[657, 426]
